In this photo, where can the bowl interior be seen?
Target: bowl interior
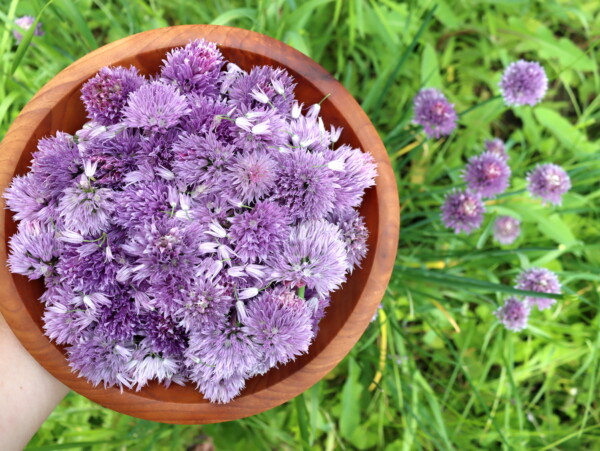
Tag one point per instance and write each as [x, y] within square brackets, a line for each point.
[68, 115]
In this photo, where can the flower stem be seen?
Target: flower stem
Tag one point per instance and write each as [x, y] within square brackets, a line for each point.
[301, 291]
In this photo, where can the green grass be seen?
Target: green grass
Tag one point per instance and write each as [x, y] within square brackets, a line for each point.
[450, 377]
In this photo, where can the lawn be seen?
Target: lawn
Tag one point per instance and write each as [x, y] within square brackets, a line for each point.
[435, 370]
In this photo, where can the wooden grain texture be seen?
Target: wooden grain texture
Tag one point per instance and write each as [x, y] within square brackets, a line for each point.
[57, 107]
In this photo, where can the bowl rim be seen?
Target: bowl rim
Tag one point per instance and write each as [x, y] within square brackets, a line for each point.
[130, 402]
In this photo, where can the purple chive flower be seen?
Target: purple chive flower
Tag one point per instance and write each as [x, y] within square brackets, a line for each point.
[220, 352]
[27, 198]
[146, 365]
[70, 317]
[305, 185]
[462, 211]
[66, 323]
[514, 314]
[496, 147]
[86, 268]
[217, 389]
[25, 23]
[115, 158]
[102, 360]
[259, 233]
[523, 83]
[541, 280]
[354, 234]
[549, 182]
[506, 229]
[164, 251]
[204, 302]
[194, 68]
[142, 202]
[202, 161]
[105, 94]
[260, 129]
[275, 83]
[57, 163]
[93, 135]
[358, 172]
[85, 209]
[433, 111]
[313, 256]
[119, 320]
[280, 323]
[33, 250]
[306, 132]
[209, 115]
[162, 334]
[253, 176]
[487, 175]
[155, 107]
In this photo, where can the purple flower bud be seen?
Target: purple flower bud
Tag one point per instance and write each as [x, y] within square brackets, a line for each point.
[216, 230]
[70, 237]
[313, 111]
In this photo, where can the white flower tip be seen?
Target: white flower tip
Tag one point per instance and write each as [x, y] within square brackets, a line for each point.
[248, 293]
[241, 310]
[243, 123]
[89, 168]
[314, 110]
[165, 173]
[336, 165]
[296, 110]
[71, 237]
[260, 96]
[261, 129]
[278, 87]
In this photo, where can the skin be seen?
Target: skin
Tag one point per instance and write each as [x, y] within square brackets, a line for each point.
[28, 393]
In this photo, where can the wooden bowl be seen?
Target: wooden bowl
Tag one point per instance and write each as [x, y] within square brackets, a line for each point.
[57, 107]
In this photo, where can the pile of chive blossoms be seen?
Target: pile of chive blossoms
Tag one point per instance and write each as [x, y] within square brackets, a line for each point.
[194, 228]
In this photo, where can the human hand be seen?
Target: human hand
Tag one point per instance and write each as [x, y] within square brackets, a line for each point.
[28, 393]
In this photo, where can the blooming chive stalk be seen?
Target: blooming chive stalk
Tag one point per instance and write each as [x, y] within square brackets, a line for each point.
[462, 211]
[541, 280]
[487, 174]
[433, 111]
[548, 182]
[523, 83]
[514, 314]
[24, 23]
[506, 229]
